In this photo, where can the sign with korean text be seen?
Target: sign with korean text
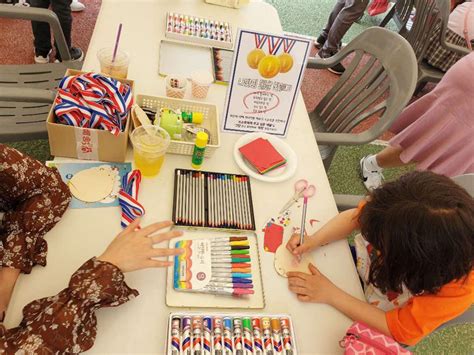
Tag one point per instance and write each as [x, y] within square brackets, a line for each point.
[266, 77]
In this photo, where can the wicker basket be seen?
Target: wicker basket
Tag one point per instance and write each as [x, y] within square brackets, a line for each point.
[210, 121]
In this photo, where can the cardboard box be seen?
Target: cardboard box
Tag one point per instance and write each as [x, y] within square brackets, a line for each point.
[87, 143]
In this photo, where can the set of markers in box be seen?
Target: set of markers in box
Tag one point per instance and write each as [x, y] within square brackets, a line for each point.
[198, 29]
[221, 266]
[230, 334]
[216, 200]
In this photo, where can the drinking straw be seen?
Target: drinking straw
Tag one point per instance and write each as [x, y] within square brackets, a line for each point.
[117, 40]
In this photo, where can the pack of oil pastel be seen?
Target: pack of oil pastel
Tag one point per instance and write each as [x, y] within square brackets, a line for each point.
[230, 334]
[199, 30]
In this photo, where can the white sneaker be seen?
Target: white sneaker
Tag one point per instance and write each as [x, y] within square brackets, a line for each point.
[77, 6]
[39, 59]
[372, 179]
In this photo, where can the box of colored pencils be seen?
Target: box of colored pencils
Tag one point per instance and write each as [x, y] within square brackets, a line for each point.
[215, 200]
[198, 30]
[229, 334]
[221, 269]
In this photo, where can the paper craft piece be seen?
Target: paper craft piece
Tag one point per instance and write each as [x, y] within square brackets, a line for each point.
[68, 170]
[285, 262]
[94, 184]
[266, 76]
[273, 237]
[262, 155]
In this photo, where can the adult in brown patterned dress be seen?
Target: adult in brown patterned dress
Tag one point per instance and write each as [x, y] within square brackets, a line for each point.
[33, 198]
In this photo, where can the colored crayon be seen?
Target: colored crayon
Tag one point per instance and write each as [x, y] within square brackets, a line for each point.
[286, 334]
[218, 290]
[230, 252]
[247, 336]
[186, 338]
[197, 335]
[267, 336]
[230, 266]
[228, 336]
[207, 335]
[232, 274]
[217, 324]
[238, 336]
[276, 329]
[257, 336]
[176, 336]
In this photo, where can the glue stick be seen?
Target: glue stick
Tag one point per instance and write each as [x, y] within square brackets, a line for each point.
[199, 148]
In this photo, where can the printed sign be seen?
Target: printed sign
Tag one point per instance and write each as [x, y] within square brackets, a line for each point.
[265, 80]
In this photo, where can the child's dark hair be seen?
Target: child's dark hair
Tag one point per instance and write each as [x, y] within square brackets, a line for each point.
[423, 227]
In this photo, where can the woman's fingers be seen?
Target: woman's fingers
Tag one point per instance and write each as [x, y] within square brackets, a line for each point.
[165, 252]
[299, 275]
[131, 227]
[157, 263]
[298, 289]
[304, 298]
[296, 281]
[158, 238]
[152, 228]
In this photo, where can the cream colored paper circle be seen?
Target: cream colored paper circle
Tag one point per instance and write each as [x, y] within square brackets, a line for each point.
[285, 262]
[92, 185]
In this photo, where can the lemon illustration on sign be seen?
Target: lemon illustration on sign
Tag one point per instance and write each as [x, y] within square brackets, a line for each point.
[254, 57]
[286, 62]
[269, 66]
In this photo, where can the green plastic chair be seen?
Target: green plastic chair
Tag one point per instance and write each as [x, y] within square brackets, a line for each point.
[27, 91]
[379, 81]
[428, 15]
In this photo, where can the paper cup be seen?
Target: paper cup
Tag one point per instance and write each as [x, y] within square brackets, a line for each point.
[176, 86]
[117, 68]
[150, 144]
[200, 83]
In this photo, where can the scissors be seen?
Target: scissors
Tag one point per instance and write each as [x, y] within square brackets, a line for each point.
[302, 189]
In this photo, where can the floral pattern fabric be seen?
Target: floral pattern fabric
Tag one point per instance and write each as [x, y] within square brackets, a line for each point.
[33, 198]
[66, 323]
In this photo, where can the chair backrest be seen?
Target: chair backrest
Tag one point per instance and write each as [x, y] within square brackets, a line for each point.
[427, 15]
[25, 120]
[379, 80]
[466, 181]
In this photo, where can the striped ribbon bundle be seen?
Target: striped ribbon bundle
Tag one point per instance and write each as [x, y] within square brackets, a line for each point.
[93, 101]
[128, 198]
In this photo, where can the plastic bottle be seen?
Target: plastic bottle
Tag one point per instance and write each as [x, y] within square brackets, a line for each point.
[192, 117]
[199, 148]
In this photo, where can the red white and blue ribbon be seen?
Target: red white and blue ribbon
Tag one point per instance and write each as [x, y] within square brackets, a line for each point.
[128, 198]
[274, 44]
[93, 101]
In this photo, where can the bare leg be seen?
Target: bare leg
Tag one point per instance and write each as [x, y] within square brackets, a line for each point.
[390, 157]
[8, 277]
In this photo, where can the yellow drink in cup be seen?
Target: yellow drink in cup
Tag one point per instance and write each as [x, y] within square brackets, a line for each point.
[117, 68]
[149, 148]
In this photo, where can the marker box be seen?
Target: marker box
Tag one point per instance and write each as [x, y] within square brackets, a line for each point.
[200, 279]
[177, 338]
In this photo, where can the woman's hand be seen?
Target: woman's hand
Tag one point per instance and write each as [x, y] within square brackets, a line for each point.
[132, 249]
[311, 288]
[296, 249]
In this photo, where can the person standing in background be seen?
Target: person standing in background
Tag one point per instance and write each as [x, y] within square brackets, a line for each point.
[343, 15]
[42, 33]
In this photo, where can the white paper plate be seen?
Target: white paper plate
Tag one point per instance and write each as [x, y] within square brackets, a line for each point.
[279, 174]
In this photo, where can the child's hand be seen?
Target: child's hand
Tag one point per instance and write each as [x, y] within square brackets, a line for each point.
[311, 288]
[132, 249]
[296, 249]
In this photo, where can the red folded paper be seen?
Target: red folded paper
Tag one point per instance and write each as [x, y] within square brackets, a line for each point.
[261, 154]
